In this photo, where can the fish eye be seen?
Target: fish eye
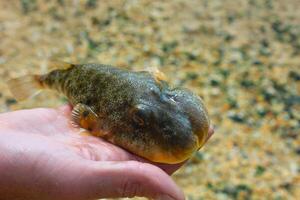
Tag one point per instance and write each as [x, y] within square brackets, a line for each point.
[139, 115]
[139, 121]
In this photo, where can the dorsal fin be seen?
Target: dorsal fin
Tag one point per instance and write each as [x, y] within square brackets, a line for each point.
[157, 74]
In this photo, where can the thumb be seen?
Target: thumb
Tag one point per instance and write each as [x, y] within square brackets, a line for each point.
[126, 179]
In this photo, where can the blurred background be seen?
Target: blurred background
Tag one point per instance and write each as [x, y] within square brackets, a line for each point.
[242, 57]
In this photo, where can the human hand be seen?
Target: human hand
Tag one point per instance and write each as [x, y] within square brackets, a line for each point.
[42, 156]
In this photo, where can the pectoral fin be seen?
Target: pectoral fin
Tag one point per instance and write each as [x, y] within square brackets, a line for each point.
[84, 117]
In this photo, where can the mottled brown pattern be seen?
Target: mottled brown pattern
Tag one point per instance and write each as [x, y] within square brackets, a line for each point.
[141, 114]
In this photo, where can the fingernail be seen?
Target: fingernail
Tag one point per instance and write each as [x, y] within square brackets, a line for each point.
[164, 197]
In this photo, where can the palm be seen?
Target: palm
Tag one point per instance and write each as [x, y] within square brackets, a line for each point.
[46, 141]
[54, 127]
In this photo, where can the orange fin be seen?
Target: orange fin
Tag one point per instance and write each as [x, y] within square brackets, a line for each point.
[84, 117]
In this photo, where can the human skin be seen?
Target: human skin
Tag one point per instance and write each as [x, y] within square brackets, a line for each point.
[42, 156]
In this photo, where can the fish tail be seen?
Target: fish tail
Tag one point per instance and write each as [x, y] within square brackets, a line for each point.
[25, 86]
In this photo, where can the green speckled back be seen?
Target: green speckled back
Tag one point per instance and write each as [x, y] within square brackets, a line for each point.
[136, 110]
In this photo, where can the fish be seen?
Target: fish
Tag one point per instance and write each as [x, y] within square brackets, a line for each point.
[135, 110]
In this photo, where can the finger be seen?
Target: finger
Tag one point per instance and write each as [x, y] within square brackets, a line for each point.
[169, 168]
[211, 131]
[126, 179]
[97, 149]
[93, 148]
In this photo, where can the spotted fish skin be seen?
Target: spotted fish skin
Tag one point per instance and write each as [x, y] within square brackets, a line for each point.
[134, 110]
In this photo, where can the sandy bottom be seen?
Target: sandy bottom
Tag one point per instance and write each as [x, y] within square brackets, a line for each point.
[242, 57]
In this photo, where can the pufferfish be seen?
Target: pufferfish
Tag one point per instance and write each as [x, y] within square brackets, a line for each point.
[136, 110]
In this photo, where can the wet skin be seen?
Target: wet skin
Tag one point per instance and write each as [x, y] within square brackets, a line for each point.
[134, 110]
[45, 157]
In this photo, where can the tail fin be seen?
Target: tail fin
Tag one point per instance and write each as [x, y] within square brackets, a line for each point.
[24, 87]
